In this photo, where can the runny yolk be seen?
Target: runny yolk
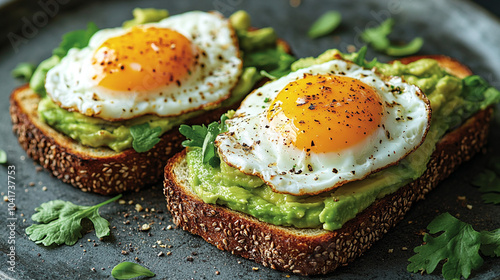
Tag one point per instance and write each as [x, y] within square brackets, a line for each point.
[143, 59]
[326, 113]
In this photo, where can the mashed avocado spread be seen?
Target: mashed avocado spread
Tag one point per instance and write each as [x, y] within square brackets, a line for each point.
[453, 100]
[260, 53]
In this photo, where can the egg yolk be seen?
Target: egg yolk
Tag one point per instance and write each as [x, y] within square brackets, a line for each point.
[143, 59]
[325, 113]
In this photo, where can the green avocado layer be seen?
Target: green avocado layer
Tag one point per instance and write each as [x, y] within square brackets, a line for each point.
[227, 186]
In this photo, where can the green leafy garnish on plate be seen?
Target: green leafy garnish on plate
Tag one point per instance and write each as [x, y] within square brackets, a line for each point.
[24, 71]
[128, 270]
[145, 137]
[203, 137]
[325, 24]
[60, 222]
[458, 244]
[488, 181]
[377, 37]
[3, 157]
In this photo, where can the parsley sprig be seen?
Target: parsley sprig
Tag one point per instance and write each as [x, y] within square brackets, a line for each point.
[203, 137]
[456, 242]
[377, 37]
[488, 182]
[60, 222]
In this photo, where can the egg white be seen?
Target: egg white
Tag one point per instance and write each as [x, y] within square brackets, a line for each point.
[70, 83]
[253, 147]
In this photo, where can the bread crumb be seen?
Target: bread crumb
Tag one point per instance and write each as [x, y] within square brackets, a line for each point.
[5, 198]
[169, 253]
[44, 188]
[217, 272]
[169, 227]
[461, 197]
[404, 248]
[121, 201]
[390, 251]
[124, 252]
[161, 254]
[159, 242]
[255, 268]
[31, 184]
[130, 202]
[469, 206]
[138, 207]
[145, 227]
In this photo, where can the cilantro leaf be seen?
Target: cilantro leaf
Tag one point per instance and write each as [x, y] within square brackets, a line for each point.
[128, 270]
[457, 242]
[23, 70]
[274, 61]
[377, 37]
[75, 39]
[489, 184]
[490, 243]
[412, 47]
[203, 137]
[60, 222]
[359, 58]
[325, 24]
[3, 157]
[145, 137]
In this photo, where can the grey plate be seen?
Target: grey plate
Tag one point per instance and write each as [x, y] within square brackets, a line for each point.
[455, 28]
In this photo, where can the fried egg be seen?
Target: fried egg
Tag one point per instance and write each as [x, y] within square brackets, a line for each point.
[180, 64]
[324, 126]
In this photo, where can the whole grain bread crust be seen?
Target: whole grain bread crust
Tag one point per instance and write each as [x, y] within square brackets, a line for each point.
[99, 170]
[317, 251]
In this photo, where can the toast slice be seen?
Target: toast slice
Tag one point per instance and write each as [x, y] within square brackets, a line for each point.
[318, 251]
[99, 170]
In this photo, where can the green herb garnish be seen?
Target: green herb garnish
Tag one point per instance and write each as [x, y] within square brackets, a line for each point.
[359, 58]
[203, 137]
[24, 71]
[60, 222]
[377, 37]
[488, 182]
[128, 270]
[3, 157]
[145, 137]
[324, 25]
[75, 39]
[274, 61]
[456, 242]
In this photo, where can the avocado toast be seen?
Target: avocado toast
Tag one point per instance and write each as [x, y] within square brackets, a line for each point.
[321, 249]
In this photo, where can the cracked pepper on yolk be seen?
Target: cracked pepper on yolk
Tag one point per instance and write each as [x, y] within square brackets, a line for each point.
[326, 113]
[143, 59]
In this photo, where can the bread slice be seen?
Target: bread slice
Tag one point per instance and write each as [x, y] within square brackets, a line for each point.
[317, 251]
[99, 170]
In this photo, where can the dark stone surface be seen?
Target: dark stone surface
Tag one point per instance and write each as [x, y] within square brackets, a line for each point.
[456, 28]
